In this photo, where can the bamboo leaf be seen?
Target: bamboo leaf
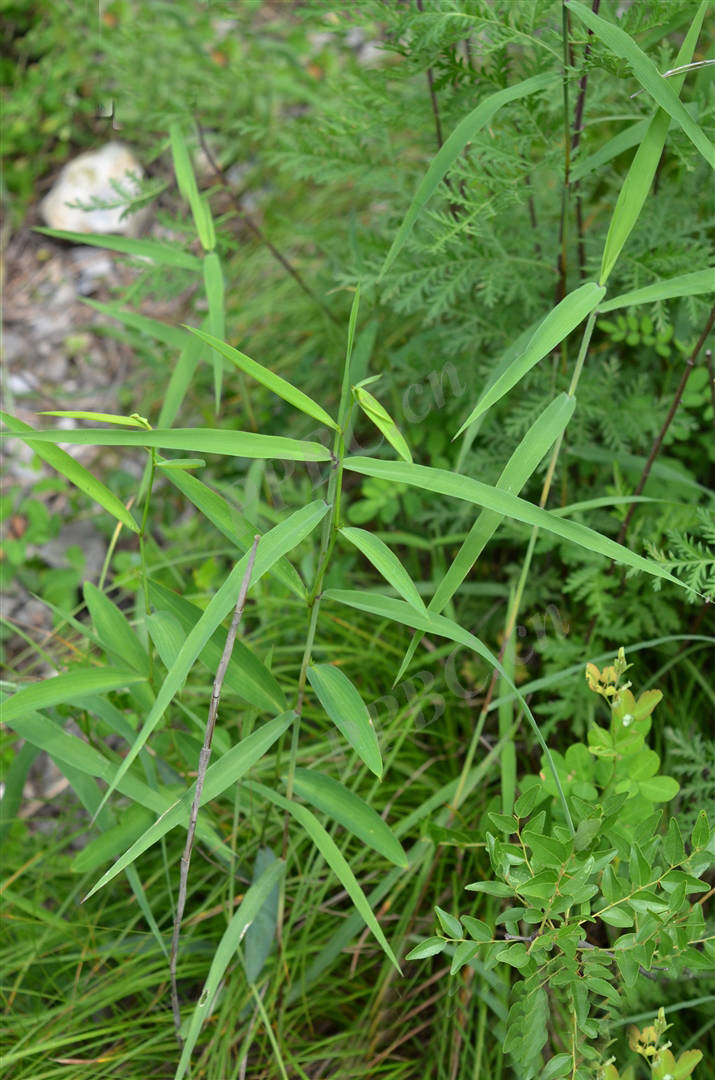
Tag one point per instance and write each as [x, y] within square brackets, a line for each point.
[114, 631]
[233, 525]
[161, 254]
[70, 751]
[620, 43]
[700, 281]
[214, 287]
[100, 418]
[64, 689]
[382, 421]
[196, 440]
[386, 563]
[173, 336]
[335, 800]
[333, 857]
[267, 378]
[557, 325]
[247, 911]
[401, 612]
[246, 675]
[636, 185]
[631, 136]
[273, 545]
[453, 147]
[186, 182]
[66, 465]
[348, 711]
[506, 504]
[221, 775]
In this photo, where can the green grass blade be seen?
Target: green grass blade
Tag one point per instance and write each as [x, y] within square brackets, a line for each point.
[246, 675]
[453, 147]
[233, 525]
[542, 434]
[640, 175]
[221, 775]
[195, 440]
[700, 281]
[333, 857]
[114, 631]
[214, 286]
[386, 563]
[247, 911]
[161, 254]
[14, 777]
[273, 545]
[557, 325]
[344, 806]
[66, 465]
[645, 71]
[348, 711]
[506, 504]
[173, 336]
[401, 612]
[268, 378]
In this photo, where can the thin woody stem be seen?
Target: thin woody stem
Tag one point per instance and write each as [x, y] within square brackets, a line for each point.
[204, 758]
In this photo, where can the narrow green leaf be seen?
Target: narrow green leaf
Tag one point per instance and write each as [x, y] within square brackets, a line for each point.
[196, 440]
[382, 421]
[542, 434]
[629, 137]
[399, 611]
[69, 750]
[268, 378]
[166, 635]
[101, 418]
[114, 631]
[386, 563]
[333, 857]
[233, 525]
[221, 775]
[660, 89]
[453, 147]
[247, 911]
[186, 182]
[173, 336]
[65, 689]
[246, 675]
[72, 470]
[161, 254]
[335, 800]
[214, 287]
[348, 711]
[133, 821]
[557, 325]
[14, 778]
[181, 463]
[261, 934]
[503, 502]
[272, 546]
[700, 281]
[636, 185]
[429, 947]
[181, 379]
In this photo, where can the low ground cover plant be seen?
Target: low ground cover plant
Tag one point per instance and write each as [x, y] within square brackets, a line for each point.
[424, 482]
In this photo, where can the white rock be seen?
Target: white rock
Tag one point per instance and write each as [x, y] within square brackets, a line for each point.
[90, 177]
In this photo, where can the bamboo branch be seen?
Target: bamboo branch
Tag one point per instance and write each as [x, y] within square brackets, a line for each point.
[204, 758]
